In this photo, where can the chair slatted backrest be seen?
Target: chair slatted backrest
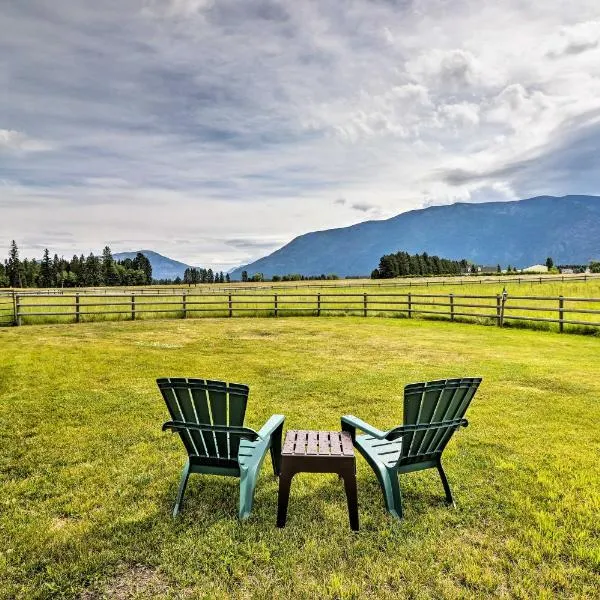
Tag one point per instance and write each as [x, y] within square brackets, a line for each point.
[206, 402]
[442, 404]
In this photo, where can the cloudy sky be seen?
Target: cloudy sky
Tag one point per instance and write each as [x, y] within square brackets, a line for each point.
[214, 131]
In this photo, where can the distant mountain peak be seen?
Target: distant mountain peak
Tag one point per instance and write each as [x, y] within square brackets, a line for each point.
[516, 232]
[163, 267]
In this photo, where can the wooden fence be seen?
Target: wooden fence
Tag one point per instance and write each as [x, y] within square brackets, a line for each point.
[499, 309]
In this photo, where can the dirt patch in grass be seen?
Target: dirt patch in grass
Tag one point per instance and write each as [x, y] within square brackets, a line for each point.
[138, 581]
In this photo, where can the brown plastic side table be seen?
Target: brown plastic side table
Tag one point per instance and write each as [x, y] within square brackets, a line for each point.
[318, 452]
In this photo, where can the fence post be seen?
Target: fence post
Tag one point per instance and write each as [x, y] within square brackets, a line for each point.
[133, 307]
[184, 305]
[504, 298]
[451, 307]
[17, 310]
[275, 304]
[409, 305]
[230, 304]
[77, 315]
[498, 310]
[561, 314]
[365, 309]
[318, 305]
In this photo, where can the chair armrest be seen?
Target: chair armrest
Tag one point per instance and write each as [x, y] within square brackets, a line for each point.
[397, 432]
[271, 426]
[241, 432]
[351, 423]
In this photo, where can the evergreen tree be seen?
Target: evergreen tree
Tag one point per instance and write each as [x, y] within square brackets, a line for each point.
[45, 279]
[549, 263]
[3, 276]
[143, 263]
[56, 272]
[13, 266]
[27, 277]
[244, 276]
[110, 275]
[403, 264]
[227, 278]
[93, 271]
[76, 268]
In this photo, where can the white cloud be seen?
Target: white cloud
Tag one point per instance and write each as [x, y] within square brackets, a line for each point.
[452, 70]
[463, 114]
[517, 107]
[177, 8]
[20, 142]
[575, 39]
[364, 206]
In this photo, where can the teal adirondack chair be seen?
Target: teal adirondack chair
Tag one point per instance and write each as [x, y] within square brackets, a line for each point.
[432, 412]
[209, 417]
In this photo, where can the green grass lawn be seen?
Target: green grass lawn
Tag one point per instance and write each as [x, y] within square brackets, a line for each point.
[87, 479]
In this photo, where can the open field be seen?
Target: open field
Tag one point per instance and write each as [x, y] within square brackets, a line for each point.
[87, 479]
[530, 304]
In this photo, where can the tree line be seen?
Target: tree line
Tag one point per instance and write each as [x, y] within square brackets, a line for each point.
[193, 275]
[80, 271]
[288, 277]
[402, 263]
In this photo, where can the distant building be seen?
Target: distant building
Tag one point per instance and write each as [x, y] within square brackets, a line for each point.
[572, 269]
[536, 269]
[486, 270]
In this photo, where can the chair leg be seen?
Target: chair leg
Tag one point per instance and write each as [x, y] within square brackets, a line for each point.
[276, 450]
[185, 474]
[449, 498]
[391, 492]
[247, 486]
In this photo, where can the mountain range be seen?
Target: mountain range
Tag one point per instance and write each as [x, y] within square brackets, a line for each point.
[519, 233]
[162, 266]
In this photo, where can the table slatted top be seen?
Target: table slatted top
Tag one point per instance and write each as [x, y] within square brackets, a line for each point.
[301, 442]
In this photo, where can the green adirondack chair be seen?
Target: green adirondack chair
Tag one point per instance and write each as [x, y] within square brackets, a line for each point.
[209, 417]
[432, 412]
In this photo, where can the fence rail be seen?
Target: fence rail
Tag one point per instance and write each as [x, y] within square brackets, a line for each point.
[323, 284]
[498, 309]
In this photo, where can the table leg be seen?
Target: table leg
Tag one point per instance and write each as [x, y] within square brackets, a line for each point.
[349, 476]
[285, 482]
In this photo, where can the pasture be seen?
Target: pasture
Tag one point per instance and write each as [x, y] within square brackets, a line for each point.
[535, 302]
[87, 479]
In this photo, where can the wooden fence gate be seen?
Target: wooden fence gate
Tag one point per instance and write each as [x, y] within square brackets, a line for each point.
[7, 310]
